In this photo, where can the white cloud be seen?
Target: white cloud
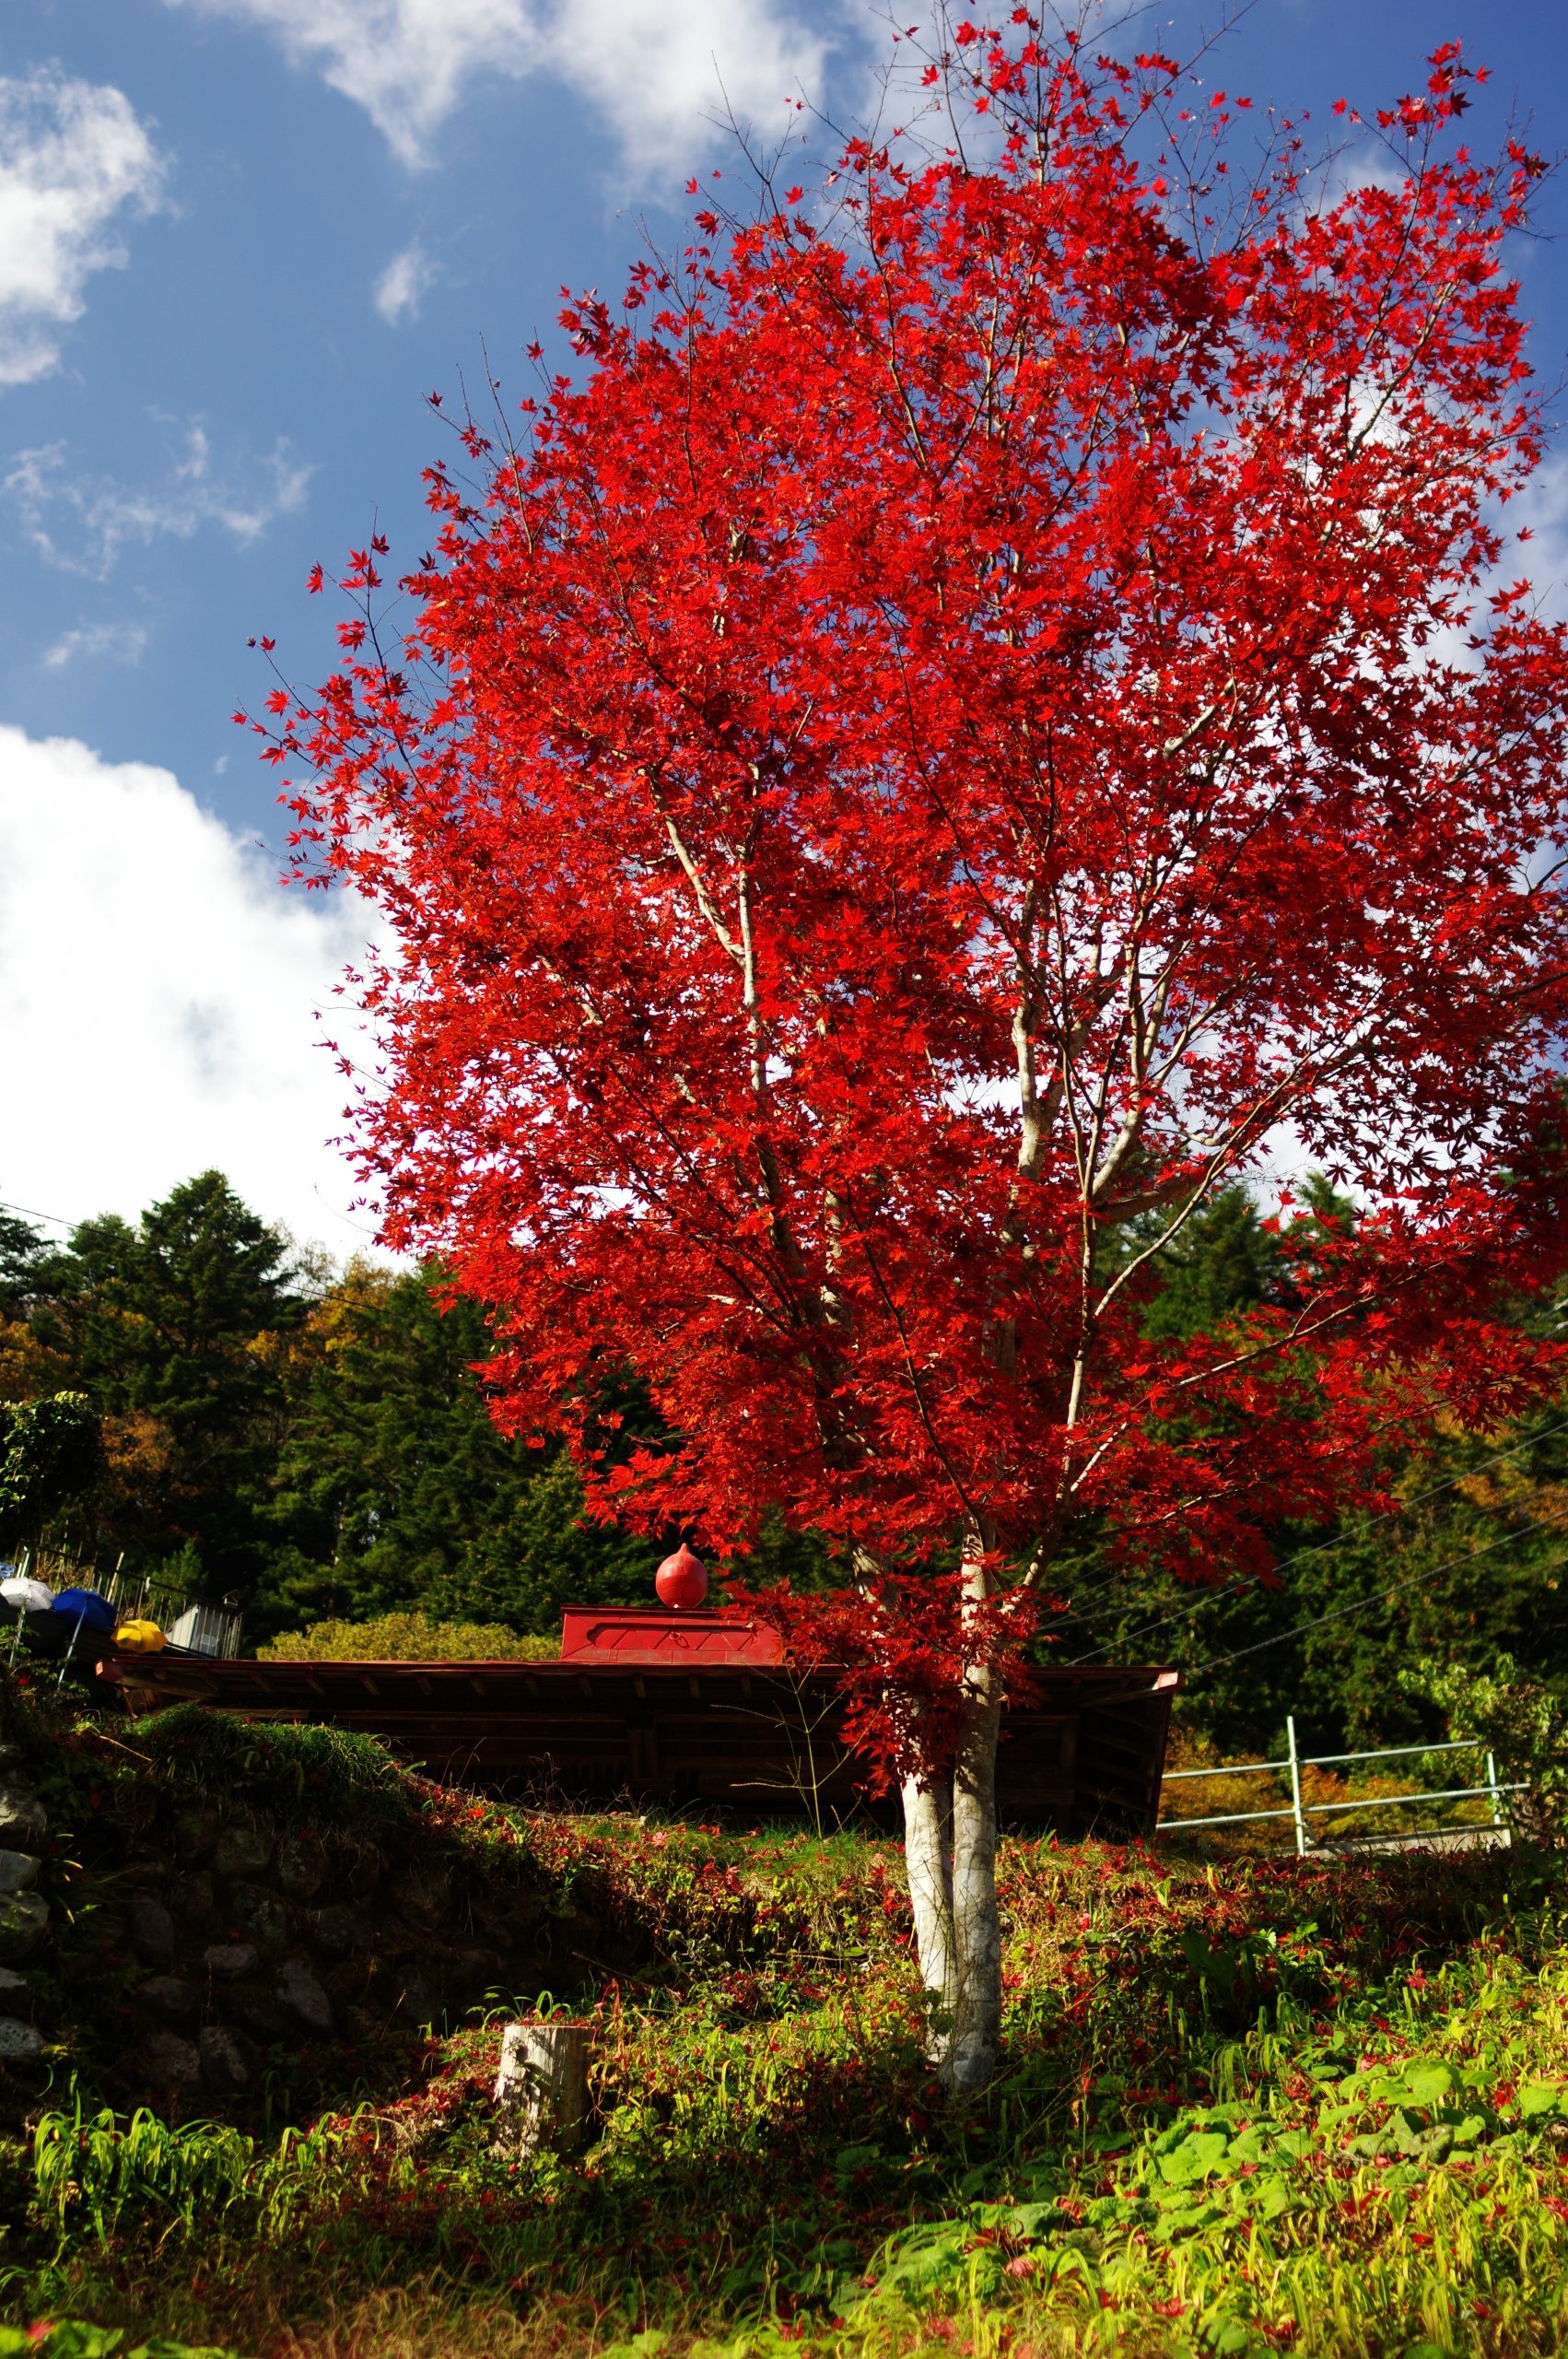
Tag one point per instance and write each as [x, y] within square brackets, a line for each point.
[157, 993]
[655, 68]
[405, 62]
[1541, 510]
[124, 643]
[73, 156]
[660, 70]
[402, 285]
[80, 524]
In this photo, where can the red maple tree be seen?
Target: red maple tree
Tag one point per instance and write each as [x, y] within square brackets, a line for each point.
[984, 709]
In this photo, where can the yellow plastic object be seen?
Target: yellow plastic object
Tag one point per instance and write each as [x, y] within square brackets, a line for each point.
[139, 1639]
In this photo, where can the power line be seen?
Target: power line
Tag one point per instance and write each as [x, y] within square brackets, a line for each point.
[55, 1220]
[1415, 1581]
[1325, 1547]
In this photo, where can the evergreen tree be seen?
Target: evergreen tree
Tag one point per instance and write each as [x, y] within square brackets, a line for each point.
[21, 1250]
[175, 1329]
[395, 1489]
[1227, 1262]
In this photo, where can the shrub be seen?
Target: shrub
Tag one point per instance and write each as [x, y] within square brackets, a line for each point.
[406, 1637]
[1523, 1724]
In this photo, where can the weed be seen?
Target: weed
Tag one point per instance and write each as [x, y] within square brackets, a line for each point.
[1291, 2106]
[298, 1773]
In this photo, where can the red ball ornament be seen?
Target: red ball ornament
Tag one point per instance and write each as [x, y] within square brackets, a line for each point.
[682, 1579]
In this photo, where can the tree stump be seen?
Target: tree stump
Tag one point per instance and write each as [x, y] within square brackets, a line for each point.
[542, 2087]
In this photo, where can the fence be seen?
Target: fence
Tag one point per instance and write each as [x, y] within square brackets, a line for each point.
[1299, 1812]
[199, 1628]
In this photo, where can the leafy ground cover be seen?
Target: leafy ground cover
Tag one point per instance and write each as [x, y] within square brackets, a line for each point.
[1272, 2105]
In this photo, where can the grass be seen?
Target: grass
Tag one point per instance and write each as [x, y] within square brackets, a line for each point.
[1282, 2107]
[1247, 2106]
[301, 1775]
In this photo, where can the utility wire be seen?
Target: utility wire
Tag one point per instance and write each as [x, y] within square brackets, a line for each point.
[1322, 1547]
[1415, 1581]
[55, 1220]
[1380, 1515]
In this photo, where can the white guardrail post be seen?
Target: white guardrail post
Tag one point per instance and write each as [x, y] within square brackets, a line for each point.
[1295, 1785]
[1494, 1791]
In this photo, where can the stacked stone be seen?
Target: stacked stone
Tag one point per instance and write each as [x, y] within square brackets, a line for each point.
[258, 1984]
[24, 1913]
[243, 1938]
[251, 1939]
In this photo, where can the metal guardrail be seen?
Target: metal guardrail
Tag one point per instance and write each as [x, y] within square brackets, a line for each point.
[1299, 1812]
[195, 1626]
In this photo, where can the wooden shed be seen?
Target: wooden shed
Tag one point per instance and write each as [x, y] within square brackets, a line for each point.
[698, 1718]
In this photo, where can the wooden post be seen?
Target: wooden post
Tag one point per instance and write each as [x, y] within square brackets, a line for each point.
[542, 2087]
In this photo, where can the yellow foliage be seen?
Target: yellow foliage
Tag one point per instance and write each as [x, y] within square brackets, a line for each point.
[29, 1369]
[406, 1637]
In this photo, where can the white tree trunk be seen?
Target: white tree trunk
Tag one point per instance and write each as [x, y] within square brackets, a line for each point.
[927, 1858]
[950, 1852]
[976, 1924]
[542, 2087]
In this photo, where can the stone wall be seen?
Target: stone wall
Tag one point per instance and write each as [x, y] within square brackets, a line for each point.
[200, 1946]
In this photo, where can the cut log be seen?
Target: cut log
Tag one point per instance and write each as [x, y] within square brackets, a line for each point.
[542, 2087]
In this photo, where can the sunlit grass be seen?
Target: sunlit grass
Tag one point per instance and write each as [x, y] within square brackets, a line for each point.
[1197, 2143]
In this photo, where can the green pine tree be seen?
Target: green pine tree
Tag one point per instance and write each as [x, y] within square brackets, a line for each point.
[395, 1490]
[176, 1330]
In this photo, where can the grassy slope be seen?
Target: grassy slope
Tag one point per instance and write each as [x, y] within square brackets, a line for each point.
[1276, 2106]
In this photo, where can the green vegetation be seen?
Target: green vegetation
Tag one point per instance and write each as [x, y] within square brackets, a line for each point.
[303, 1775]
[1523, 1724]
[321, 1444]
[1263, 2105]
[51, 1452]
[318, 1444]
[1320, 2108]
[407, 1638]
[73, 2338]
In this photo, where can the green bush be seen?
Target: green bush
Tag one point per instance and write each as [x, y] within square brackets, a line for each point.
[406, 1637]
[51, 1452]
[1523, 1724]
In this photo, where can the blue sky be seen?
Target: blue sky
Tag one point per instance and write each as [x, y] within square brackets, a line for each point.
[240, 241]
